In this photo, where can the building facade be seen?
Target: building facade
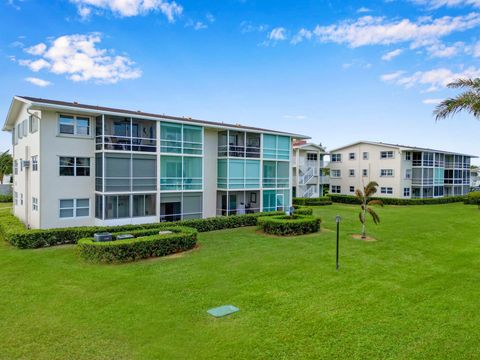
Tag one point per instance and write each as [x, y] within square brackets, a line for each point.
[82, 165]
[308, 164]
[400, 171]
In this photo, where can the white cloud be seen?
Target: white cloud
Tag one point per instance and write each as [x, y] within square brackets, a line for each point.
[127, 8]
[38, 49]
[363, 9]
[303, 34]
[277, 34]
[210, 17]
[370, 30]
[248, 27]
[392, 54]
[475, 50]
[78, 57]
[435, 4]
[435, 79]
[432, 101]
[196, 25]
[38, 82]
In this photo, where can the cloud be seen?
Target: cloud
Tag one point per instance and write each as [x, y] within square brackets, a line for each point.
[38, 82]
[370, 30]
[432, 101]
[392, 54]
[248, 27]
[277, 34]
[196, 25]
[435, 79]
[435, 4]
[441, 50]
[363, 9]
[127, 8]
[303, 34]
[210, 17]
[78, 57]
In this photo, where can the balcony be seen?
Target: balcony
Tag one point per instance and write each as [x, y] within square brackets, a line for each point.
[238, 144]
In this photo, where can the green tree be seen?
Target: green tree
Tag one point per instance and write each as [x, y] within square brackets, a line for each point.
[364, 197]
[468, 100]
[6, 165]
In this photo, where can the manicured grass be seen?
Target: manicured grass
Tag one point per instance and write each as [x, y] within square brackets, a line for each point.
[414, 293]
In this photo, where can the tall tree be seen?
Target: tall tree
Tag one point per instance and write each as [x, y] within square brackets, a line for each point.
[364, 197]
[6, 165]
[468, 100]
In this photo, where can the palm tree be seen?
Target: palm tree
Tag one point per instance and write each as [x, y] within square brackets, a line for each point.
[364, 198]
[6, 164]
[468, 101]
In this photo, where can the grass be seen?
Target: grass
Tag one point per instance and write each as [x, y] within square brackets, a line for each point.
[413, 294]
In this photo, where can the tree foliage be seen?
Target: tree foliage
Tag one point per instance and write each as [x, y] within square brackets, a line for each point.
[6, 165]
[468, 100]
[364, 197]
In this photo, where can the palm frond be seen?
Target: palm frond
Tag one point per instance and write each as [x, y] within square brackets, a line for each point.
[375, 217]
[359, 194]
[370, 189]
[465, 83]
[468, 101]
[375, 202]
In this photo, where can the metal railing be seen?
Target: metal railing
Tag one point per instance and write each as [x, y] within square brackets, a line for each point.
[307, 175]
[309, 192]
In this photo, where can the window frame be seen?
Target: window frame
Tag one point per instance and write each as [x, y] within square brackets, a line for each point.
[388, 173]
[386, 190]
[34, 203]
[351, 172]
[35, 163]
[336, 158]
[364, 172]
[387, 152]
[76, 119]
[352, 156]
[74, 166]
[365, 155]
[74, 208]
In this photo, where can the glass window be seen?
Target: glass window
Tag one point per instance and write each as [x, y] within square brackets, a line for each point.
[192, 173]
[99, 206]
[352, 189]
[192, 205]
[117, 172]
[144, 205]
[170, 207]
[67, 124]
[351, 172]
[34, 204]
[236, 174]
[351, 156]
[283, 147]
[283, 173]
[67, 166]
[386, 172]
[311, 156]
[82, 207]
[83, 126]
[365, 172]
[171, 173]
[33, 123]
[386, 155]
[82, 166]
[67, 208]
[222, 176]
[117, 207]
[269, 146]
[192, 140]
[35, 163]
[336, 157]
[269, 174]
[144, 172]
[365, 155]
[252, 176]
[170, 138]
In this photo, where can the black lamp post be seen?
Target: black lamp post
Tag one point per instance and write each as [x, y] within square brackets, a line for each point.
[337, 220]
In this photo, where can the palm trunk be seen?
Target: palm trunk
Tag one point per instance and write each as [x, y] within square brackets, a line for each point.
[364, 218]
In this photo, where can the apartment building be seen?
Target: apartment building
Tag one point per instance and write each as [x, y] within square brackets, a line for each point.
[308, 163]
[400, 171]
[83, 165]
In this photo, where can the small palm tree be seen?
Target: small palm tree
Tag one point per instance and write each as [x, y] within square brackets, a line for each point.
[6, 164]
[468, 101]
[364, 197]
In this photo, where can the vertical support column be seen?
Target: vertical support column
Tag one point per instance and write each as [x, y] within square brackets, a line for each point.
[157, 206]
[319, 180]
[103, 168]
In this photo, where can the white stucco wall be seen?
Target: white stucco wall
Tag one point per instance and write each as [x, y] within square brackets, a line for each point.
[210, 173]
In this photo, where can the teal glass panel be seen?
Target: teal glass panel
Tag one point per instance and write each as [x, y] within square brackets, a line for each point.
[283, 147]
[252, 176]
[192, 140]
[171, 173]
[283, 171]
[439, 176]
[269, 201]
[192, 173]
[222, 174]
[269, 174]
[170, 138]
[236, 176]
[269, 146]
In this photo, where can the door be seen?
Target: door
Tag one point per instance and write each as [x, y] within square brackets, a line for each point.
[280, 202]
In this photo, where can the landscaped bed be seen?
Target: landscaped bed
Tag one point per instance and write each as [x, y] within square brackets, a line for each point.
[289, 225]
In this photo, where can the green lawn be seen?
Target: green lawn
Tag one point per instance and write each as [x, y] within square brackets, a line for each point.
[414, 293]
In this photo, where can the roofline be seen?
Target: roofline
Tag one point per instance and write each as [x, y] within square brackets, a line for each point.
[309, 144]
[401, 147]
[10, 109]
[90, 109]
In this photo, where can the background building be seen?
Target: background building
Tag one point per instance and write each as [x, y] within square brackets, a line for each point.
[81, 165]
[400, 171]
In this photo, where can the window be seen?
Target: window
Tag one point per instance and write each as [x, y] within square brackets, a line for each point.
[365, 172]
[275, 174]
[336, 157]
[21, 165]
[386, 172]
[386, 154]
[180, 172]
[365, 155]
[74, 166]
[336, 173]
[351, 172]
[15, 198]
[144, 205]
[335, 189]
[351, 156]
[21, 199]
[408, 155]
[276, 147]
[33, 123]
[74, 125]
[406, 192]
[19, 130]
[25, 128]
[71, 208]
[352, 189]
[386, 190]
[312, 156]
[408, 173]
[178, 138]
[35, 163]
[34, 204]
[15, 167]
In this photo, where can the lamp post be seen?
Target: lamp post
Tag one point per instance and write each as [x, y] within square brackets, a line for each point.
[337, 220]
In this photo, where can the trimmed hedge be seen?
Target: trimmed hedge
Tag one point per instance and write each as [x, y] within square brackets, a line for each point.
[14, 231]
[285, 225]
[473, 198]
[349, 199]
[6, 198]
[303, 210]
[320, 201]
[147, 243]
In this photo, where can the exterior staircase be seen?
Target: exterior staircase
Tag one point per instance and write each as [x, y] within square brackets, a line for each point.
[306, 176]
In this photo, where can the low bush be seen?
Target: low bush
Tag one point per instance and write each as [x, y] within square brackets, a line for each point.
[284, 225]
[473, 198]
[303, 210]
[320, 201]
[6, 198]
[349, 199]
[18, 236]
[147, 243]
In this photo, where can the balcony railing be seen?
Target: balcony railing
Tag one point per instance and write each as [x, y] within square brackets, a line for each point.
[125, 143]
[239, 151]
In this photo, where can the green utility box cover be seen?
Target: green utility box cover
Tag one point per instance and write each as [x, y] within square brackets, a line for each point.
[223, 310]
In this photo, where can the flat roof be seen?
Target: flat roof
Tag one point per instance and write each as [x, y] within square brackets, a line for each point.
[403, 147]
[58, 105]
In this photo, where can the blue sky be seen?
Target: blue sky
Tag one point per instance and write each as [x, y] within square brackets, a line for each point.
[338, 71]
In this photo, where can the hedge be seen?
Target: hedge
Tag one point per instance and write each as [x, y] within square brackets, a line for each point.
[473, 198]
[147, 243]
[14, 231]
[285, 225]
[6, 198]
[349, 199]
[320, 201]
[303, 210]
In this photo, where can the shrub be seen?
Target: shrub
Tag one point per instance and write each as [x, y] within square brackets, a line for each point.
[473, 198]
[349, 199]
[18, 236]
[320, 201]
[147, 243]
[6, 198]
[303, 210]
[285, 225]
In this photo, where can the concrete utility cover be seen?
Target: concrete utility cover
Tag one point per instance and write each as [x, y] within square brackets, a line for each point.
[165, 232]
[223, 310]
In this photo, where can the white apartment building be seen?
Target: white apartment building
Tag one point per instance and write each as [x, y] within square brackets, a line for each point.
[400, 171]
[84, 165]
[308, 164]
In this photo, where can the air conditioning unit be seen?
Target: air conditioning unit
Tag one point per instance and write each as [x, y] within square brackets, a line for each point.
[26, 163]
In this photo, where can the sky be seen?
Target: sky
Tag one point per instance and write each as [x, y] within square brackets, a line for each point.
[338, 71]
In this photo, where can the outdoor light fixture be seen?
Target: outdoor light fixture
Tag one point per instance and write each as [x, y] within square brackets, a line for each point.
[337, 220]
